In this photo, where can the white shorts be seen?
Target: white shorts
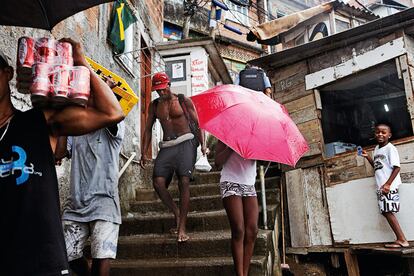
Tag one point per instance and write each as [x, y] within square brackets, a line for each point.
[103, 236]
[389, 202]
[230, 189]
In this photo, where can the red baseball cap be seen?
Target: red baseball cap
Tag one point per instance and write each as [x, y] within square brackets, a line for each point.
[160, 81]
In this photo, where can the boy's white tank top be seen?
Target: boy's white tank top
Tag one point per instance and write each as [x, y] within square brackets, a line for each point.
[239, 170]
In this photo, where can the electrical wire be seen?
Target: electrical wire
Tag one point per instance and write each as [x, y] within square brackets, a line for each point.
[231, 11]
[267, 13]
[221, 23]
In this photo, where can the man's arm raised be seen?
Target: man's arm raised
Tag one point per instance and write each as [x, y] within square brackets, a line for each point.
[75, 120]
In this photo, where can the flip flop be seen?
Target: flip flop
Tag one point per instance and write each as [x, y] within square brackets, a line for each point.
[183, 238]
[396, 245]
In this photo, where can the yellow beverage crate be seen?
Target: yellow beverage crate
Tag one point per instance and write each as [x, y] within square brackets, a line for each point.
[126, 96]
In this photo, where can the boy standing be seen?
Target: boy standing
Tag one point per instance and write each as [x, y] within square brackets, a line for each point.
[386, 165]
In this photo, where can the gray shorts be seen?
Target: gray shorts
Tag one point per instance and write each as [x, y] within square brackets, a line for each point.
[235, 189]
[389, 202]
[103, 236]
[179, 159]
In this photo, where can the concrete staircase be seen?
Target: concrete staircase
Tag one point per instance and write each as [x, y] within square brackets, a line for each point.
[146, 247]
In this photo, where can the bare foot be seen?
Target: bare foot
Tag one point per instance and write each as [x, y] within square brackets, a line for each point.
[173, 231]
[183, 237]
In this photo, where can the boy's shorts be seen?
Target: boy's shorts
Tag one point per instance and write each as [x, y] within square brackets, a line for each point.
[389, 202]
[103, 236]
[235, 189]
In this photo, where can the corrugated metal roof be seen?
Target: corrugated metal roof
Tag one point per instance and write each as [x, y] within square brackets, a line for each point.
[380, 26]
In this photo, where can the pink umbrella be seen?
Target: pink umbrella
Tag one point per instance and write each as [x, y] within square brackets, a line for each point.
[250, 123]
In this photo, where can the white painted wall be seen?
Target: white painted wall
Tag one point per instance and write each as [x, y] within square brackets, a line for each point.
[355, 215]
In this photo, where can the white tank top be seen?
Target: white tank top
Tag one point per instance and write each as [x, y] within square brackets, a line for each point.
[239, 170]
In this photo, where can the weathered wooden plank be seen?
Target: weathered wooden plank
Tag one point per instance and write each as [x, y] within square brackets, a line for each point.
[407, 84]
[409, 45]
[314, 149]
[285, 72]
[304, 162]
[301, 103]
[351, 263]
[355, 64]
[318, 100]
[311, 131]
[344, 175]
[298, 219]
[387, 38]
[406, 152]
[341, 162]
[304, 115]
[294, 93]
[407, 167]
[407, 177]
[398, 65]
[285, 84]
[317, 207]
[341, 55]
[368, 168]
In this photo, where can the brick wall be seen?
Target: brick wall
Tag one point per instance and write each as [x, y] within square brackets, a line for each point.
[155, 9]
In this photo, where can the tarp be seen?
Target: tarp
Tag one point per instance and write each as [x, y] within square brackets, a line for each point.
[269, 33]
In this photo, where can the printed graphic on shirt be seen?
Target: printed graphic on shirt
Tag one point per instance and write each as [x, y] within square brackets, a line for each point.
[378, 161]
[389, 202]
[16, 166]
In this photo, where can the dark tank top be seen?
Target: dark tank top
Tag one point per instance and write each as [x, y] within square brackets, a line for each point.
[30, 231]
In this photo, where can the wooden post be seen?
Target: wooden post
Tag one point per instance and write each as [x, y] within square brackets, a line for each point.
[212, 17]
[351, 261]
[335, 260]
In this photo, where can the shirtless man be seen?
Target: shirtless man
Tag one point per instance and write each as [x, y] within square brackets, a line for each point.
[177, 150]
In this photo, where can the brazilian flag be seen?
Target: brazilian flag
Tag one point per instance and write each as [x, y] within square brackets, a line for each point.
[122, 18]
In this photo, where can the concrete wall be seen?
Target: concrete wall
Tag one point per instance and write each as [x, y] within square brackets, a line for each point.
[91, 28]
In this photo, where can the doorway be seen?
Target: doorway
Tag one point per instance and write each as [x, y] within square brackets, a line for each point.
[146, 66]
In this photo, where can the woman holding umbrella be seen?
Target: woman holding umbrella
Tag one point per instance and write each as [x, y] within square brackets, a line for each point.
[238, 177]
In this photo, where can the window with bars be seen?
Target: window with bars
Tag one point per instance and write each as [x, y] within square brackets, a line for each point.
[237, 13]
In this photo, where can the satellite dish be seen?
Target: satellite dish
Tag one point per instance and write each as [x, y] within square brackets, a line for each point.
[243, 3]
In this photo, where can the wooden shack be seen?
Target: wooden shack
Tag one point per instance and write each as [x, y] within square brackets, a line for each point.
[336, 89]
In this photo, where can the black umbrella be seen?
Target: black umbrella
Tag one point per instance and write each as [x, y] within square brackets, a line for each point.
[42, 14]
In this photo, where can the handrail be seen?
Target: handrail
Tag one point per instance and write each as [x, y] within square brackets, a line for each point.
[121, 172]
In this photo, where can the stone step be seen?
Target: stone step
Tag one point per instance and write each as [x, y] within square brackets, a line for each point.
[271, 183]
[201, 244]
[157, 222]
[197, 203]
[213, 266]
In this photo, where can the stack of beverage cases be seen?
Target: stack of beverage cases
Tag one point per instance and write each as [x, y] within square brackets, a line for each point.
[56, 82]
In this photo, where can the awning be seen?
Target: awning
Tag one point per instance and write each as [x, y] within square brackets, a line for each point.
[269, 33]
